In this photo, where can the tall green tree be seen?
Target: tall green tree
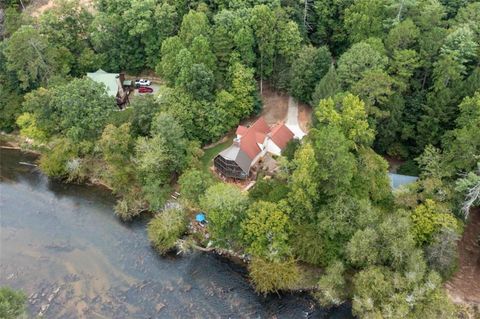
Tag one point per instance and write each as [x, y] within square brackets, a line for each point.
[266, 231]
[32, 59]
[225, 207]
[307, 69]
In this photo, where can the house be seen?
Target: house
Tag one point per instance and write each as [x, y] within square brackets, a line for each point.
[114, 85]
[249, 146]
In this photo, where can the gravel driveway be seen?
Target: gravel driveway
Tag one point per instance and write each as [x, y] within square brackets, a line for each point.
[292, 119]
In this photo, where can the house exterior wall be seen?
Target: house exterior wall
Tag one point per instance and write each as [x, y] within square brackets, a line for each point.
[273, 148]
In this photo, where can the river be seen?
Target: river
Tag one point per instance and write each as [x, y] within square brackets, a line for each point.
[62, 245]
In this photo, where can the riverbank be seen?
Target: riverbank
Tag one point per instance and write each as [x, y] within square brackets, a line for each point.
[67, 251]
[310, 275]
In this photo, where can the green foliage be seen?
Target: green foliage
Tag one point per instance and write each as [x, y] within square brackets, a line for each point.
[28, 127]
[166, 228]
[327, 87]
[336, 165]
[332, 286]
[428, 219]
[243, 90]
[116, 145]
[77, 110]
[10, 108]
[365, 19]
[266, 230]
[32, 58]
[193, 184]
[270, 190]
[272, 276]
[225, 207]
[371, 180]
[307, 69]
[409, 168]
[359, 58]
[348, 114]
[304, 184]
[291, 148]
[54, 163]
[158, 158]
[442, 254]
[144, 110]
[12, 303]
[463, 143]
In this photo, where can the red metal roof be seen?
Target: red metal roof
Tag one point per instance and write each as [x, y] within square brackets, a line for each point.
[241, 130]
[256, 134]
[253, 135]
[281, 134]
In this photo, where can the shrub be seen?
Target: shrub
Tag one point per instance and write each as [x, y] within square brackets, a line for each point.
[272, 276]
[55, 162]
[166, 228]
[12, 303]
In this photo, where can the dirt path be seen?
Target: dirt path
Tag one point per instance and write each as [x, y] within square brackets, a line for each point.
[464, 287]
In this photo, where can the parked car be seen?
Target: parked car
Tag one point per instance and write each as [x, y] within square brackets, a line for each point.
[144, 89]
[142, 82]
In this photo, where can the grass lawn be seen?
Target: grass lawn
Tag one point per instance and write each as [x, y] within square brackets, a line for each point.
[212, 152]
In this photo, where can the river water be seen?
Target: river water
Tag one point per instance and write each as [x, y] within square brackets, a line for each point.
[62, 245]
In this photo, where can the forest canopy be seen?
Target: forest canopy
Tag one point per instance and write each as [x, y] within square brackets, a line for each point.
[384, 79]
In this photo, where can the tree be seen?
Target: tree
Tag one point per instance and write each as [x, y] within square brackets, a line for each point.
[307, 69]
[303, 184]
[402, 36]
[270, 190]
[461, 43]
[347, 113]
[198, 81]
[12, 303]
[202, 53]
[158, 158]
[365, 19]
[336, 163]
[32, 58]
[28, 128]
[363, 249]
[194, 24]
[167, 66]
[266, 230]
[117, 146]
[193, 184]
[330, 27]
[243, 89]
[402, 67]
[358, 59]
[66, 25]
[375, 89]
[428, 219]
[327, 87]
[371, 180]
[470, 186]
[463, 143]
[78, 109]
[442, 254]
[263, 23]
[272, 276]
[332, 286]
[166, 228]
[54, 163]
[225, 206]
[144, 109]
